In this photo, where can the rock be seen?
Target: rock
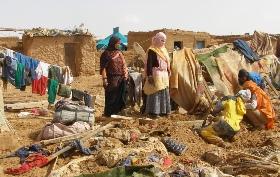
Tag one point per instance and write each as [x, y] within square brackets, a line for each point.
[213, 157]
[109, 143]
[112, 156]
[123, 135]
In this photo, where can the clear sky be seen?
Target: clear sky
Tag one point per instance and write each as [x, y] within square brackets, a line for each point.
[100, 16]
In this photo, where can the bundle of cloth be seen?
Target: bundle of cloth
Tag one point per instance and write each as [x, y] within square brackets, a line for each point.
[69, 118]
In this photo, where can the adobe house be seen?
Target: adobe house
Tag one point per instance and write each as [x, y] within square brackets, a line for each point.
[76, 51]
[175, 39]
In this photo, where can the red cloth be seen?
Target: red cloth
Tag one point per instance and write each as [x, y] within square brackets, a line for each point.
[40, 86]
[34, 160]
[167, 161]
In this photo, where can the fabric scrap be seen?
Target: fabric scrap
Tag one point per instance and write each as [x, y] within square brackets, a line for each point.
[77, 144]
[34, 160]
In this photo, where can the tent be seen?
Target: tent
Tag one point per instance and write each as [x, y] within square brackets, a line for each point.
[102, 44]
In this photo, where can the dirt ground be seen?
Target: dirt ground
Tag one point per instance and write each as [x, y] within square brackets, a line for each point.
[26, 130]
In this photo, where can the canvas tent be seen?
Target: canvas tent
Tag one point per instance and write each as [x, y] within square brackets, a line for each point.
[102, 44]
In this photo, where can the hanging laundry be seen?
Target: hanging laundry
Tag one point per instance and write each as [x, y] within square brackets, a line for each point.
[39, 86]
[29, 63]
[42, 70]
[52, 90]
[245, 49]
[9, 70]
[9, 53]
[19, 76]
[67, 77]
[55, 73]
[40, 83]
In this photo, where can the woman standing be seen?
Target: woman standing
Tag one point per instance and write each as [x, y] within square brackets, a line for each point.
[157, 78]
[114, 74]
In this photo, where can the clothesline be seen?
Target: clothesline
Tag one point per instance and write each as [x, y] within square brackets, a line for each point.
[21, 70]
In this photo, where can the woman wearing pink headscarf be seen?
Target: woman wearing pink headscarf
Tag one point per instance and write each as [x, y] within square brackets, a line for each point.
[157, 69]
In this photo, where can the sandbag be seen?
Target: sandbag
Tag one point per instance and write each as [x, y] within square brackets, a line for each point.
[56, 130]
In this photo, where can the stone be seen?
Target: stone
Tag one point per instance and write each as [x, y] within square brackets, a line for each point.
[213, 157]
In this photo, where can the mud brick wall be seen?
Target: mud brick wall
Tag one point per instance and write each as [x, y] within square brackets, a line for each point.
[188, 38]
[52, 50]
[230, 38]
[13, 43]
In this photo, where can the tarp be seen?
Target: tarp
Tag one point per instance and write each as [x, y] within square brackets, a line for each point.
[102, 44]
[185, 82]
[261, 44]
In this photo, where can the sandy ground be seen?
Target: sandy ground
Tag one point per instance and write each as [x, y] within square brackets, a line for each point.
[27, 130]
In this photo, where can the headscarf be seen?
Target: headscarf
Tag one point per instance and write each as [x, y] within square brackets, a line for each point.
[158, 46]
[244, 94]
[112, 44]
[159, 40]
[109, 52]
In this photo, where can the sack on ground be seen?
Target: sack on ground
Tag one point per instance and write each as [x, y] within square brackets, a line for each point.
[64, 91]
[68, 113]
[56, 130]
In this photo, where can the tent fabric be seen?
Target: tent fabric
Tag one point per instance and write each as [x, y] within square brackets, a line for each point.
[261, 44]
[209, 61]
[224, 68]
[185, 82]
[104, 43]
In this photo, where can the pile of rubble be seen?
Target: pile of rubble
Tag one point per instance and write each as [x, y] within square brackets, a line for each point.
[81, 30]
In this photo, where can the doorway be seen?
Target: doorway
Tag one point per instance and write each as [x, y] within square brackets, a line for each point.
[178, 45]
[70, 57]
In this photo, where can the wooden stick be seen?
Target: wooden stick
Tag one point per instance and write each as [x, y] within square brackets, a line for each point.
[209, 98]
[254, 156]
[271, 86]
[128, 118]
[51, 167]
[67, 148]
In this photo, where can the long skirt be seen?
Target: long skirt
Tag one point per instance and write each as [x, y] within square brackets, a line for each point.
[115, 96]
[158, 103]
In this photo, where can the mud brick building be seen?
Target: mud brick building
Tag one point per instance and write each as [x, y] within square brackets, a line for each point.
[75, 51]
[175, 39]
